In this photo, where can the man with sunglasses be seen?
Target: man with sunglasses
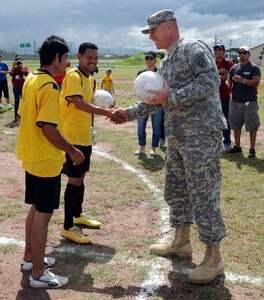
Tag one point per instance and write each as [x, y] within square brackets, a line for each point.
[156, 118]
[244, 79]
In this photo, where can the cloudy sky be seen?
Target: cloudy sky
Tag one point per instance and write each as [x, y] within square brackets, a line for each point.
[115, 25]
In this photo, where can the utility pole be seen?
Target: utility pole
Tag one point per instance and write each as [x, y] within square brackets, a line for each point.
[230, 46]
[217, 41]
[34, 47]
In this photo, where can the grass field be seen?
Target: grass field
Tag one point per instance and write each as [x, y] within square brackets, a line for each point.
[112, 189]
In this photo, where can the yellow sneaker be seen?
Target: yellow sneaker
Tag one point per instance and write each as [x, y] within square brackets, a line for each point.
[75, 235]
[83, 220]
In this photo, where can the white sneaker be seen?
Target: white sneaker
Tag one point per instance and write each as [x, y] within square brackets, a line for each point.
[27, 265]
[48, 280]
[153, 153]
[138, 152]
[162, 143]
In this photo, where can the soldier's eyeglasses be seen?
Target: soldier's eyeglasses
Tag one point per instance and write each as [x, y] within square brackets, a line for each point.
[242, 52]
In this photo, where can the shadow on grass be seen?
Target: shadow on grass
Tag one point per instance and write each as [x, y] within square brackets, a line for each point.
[12, 124]
[72, 260]
[28, 293]
[177, 287]
[241, 160]
[2, 111]
[180, 288]
[117, 291]
[152, 164]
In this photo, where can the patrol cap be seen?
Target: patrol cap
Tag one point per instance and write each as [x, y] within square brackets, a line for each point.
[158, 18]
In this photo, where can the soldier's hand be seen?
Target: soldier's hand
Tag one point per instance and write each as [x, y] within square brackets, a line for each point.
[160, 97]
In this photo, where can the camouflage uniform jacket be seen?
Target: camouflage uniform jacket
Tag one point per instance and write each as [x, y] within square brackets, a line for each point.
[194, 105]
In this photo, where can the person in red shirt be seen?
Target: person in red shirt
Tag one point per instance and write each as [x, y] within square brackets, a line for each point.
[223, 66]
[18, 73]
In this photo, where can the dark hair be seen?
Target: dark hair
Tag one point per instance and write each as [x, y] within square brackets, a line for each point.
[52, 46]
[84, 46]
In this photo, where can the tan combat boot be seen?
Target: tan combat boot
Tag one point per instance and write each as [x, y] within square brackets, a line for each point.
[210, 268]
[181, 245]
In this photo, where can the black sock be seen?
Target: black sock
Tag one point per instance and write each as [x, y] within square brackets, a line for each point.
[70, 200]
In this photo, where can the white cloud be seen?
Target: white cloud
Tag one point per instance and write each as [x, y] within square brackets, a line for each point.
[117, 24]
[208, 27]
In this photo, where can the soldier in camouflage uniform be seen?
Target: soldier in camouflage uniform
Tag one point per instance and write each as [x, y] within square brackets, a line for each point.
[193, 126]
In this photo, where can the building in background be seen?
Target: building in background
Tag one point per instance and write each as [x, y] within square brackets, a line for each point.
[257, 55]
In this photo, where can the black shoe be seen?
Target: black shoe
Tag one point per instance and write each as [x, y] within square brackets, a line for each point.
[235, 149]
[252, 153]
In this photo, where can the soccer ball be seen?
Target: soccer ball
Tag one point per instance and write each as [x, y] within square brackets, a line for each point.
[146, 81]
[103, 99]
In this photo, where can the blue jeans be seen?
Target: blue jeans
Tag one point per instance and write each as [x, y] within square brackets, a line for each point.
[17, 95]
[156, 120]
[162, 132]
[225, 109]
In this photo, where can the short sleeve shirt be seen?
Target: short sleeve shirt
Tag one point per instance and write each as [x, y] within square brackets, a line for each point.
[76, 124]
[3, 67]
[39, 105]
[242, 92]
[107, 82]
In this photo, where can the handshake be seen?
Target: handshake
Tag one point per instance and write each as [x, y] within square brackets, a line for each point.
[118, 115]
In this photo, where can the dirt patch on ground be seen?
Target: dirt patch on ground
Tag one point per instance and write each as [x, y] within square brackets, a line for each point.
[14, 284]
[138, 222]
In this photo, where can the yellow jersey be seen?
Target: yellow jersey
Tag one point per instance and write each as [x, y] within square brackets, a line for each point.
[76, 124]
[107, 82]
[39, 105]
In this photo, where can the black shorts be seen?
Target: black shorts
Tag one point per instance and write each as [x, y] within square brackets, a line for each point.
[78, 171]
[44, 192]
[4, 88]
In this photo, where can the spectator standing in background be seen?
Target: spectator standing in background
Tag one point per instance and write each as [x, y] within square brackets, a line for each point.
[244, 80]
[224, 65]
[4, 70]
[107, 82]
[156, 118]
[18, 73]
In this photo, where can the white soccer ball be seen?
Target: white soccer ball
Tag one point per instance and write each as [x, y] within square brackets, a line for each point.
[146, 81]
[103, 99]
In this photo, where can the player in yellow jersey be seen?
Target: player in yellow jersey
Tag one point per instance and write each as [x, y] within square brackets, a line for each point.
[107, 82]
[40, 147]
[76, 100]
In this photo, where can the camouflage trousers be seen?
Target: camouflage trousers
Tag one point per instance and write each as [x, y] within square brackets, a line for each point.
[193, 184]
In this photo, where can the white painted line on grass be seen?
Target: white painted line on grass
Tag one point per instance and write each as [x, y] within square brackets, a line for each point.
[7, 241]
[156, 275]
[149, 285]
[257, 281]
[158, 265]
